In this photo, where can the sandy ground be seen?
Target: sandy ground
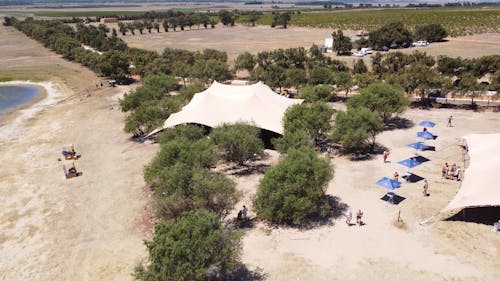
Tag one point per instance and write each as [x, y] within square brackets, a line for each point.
[441, 250]
[86, 228]
[238, 39]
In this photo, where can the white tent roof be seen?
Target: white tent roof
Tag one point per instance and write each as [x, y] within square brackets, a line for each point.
[480, 187]
[220, 104]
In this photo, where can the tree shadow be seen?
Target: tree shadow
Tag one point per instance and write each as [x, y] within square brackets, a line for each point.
[337, 209]
[241, 224]
[399, 123]
[242, 273]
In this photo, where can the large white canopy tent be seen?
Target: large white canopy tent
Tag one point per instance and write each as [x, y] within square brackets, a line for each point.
[221, 103]
[480, 187]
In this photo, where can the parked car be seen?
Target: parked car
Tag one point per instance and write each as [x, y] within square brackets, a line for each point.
[366, 51]
[421, 43]
[358, 54]
[383, 49]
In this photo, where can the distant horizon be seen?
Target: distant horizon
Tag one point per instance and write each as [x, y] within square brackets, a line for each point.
[242, 1]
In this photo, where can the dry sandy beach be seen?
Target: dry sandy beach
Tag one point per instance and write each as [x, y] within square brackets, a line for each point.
[92, 227]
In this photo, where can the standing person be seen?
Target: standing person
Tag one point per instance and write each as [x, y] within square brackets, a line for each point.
[449, 120]
[386, 154]
[457, 173]
[244, 212]
[348, 218]
[396, 176]
[444, 171]
[426, 187]
[359, 217]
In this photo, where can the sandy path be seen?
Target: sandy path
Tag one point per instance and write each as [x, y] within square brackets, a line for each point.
[86, 228]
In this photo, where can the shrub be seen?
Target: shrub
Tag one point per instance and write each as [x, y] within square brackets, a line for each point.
[294, 189]
[316, 93]
[238, 142]
[192, 248]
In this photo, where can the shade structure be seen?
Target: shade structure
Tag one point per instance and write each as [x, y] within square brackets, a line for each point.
[427, 124]
[257, 104]
[479, 185]
[418, 145]
[425, 135]
[388, 183]
[410, 163]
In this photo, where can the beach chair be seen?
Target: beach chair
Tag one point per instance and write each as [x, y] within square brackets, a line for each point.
[70, 170]
[69, 153]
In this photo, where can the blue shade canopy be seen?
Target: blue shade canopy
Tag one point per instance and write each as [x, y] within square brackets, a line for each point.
[418, 145]
[425, 135]
[410, 163]
[388, 183]
[427, 124]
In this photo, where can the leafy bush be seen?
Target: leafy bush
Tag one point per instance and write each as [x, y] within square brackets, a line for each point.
[294, 189]
[196, 247]
[292, 140]
[433, 32]
[382, 98]
[182, 188]
[238, 142]
[316, 93]
[356, 129]
[313, 119]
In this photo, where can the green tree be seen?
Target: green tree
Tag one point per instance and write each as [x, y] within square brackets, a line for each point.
[154, 87]
[238, 142]
[357, 128]
[314, 119]
[131, 26]
[316, 93]
[156, 26]
[382, 98]
[495, 81]
[294, 189]
[253, 16]
[359, 67]
[113, 64]
[394, 33]
[196, 247]
[343, 80]
[281, 19]
[433, 32]
[292, 140]
[226, 17]
[210, 70]
[341, 43]
[122, 28]
[244, 61]
[295, 77]
[469, 86]
[420, 77]
[319, 75]
[181, 189]
[165, 24]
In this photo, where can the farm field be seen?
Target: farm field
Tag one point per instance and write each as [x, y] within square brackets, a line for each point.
[457, 22]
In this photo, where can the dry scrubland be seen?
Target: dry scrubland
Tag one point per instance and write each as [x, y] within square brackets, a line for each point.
[91, 228]
[238, 39]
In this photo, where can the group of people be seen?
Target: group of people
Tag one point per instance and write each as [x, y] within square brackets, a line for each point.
[359, 218]
[452, 172]
[242, 214]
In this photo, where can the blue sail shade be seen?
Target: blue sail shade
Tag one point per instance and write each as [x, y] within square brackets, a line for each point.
[388, 183]
[410, 163]
[427, 124]
[418, 145]
[425, 135]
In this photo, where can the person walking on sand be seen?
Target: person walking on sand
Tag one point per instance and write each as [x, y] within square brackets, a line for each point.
[449, 120]
[426, 187]
[396, 176]
[444, 171]
[348, 218]
[386, 154]
[359, 217]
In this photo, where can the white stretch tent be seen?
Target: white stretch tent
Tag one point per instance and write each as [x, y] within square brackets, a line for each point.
[480, 186]
[220, 104]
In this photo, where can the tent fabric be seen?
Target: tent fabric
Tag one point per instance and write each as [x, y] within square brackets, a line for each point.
[479, 186]
[220, 104]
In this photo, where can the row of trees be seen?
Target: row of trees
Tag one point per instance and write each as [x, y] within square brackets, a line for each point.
[191, 201]
[396, 34]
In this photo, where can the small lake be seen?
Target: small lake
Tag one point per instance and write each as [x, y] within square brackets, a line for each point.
[14, 96]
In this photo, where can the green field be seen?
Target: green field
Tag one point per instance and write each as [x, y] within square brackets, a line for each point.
[457, 22]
